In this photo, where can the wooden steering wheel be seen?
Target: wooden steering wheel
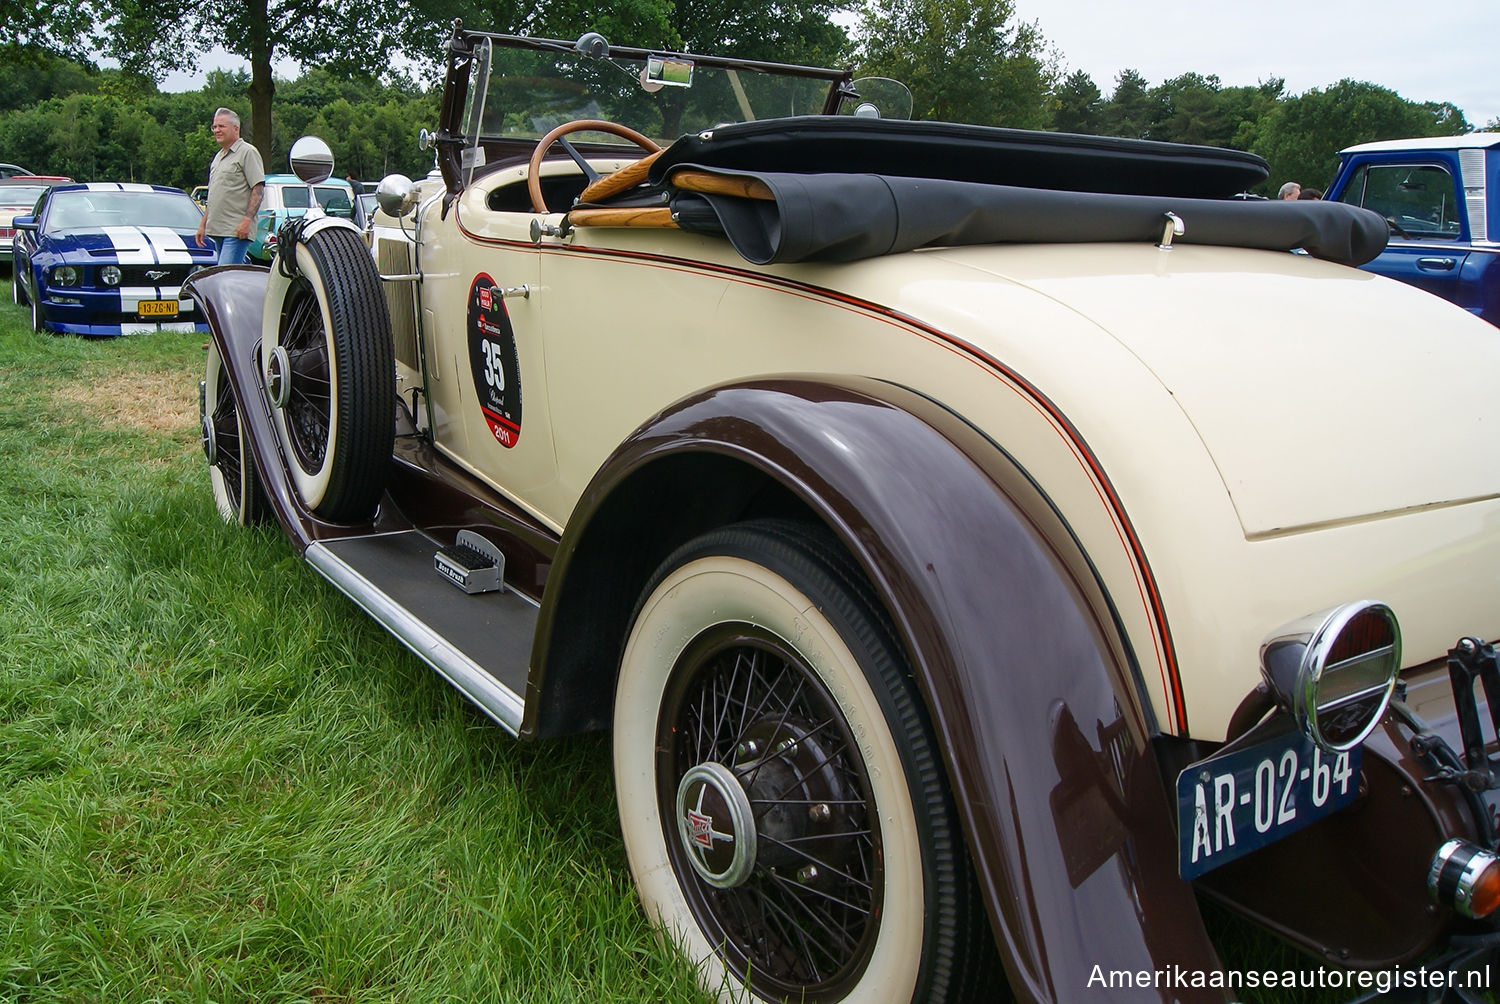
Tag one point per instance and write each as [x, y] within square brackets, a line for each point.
[557, 135]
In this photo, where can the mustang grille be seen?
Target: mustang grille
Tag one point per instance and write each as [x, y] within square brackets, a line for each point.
[154, 275]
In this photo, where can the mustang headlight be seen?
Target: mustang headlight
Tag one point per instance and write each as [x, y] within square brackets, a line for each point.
[1335, 671]
[110, 275]
[65, 275]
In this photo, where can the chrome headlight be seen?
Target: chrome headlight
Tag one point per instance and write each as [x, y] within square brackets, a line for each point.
[1335, 671]
[65, 275]
[110, 275]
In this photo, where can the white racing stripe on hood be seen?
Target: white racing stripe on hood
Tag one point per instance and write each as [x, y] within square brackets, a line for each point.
[132, 247]
[169, 246]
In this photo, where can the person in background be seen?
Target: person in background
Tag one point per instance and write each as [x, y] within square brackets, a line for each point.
[1290, 190]
[1311, 193]
[236, 184]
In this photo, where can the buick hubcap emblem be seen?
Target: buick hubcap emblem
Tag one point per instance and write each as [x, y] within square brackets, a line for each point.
[715, 825]
[278, 377]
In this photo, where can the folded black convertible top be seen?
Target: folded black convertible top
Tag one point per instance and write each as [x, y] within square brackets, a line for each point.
[839, 188]
[846, 217]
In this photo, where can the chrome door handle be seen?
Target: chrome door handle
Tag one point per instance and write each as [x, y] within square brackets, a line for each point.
[1436, 264]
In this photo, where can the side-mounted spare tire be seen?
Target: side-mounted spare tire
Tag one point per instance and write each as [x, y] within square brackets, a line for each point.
[331, 372]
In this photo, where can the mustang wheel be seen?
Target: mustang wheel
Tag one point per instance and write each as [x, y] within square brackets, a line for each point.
[332, 373]
[231, 467]
[782, 805]
[36, 312]
[17, 294]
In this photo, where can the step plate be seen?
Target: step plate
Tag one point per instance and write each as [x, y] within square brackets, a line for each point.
[481, 643]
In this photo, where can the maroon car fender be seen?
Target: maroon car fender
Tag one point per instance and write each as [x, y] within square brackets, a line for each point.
[232, 299]
[1034, 695]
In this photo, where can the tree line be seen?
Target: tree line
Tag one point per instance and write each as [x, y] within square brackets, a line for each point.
[965, 61]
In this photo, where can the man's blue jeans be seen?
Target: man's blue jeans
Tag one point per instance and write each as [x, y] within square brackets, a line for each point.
[233, 250]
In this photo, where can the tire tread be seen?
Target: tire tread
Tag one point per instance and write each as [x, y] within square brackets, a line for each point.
[365, 368]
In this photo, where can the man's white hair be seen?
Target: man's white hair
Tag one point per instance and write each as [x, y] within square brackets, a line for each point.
[1288, 189]
[228, 113]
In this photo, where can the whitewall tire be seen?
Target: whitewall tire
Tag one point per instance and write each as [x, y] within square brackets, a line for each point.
[330, 361]
[232, 473]
[784, 814]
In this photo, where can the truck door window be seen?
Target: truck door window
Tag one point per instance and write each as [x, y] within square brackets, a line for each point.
[1420, 199]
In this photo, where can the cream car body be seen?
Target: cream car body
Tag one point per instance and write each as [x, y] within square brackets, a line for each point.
[920, 504]
[1275, 419]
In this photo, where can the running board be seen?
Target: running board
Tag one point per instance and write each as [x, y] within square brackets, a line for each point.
[480, 643]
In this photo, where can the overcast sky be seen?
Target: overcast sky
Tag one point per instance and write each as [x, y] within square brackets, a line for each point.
[1438, 50]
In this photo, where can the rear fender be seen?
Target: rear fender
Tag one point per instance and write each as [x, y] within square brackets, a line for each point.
[1035, 697]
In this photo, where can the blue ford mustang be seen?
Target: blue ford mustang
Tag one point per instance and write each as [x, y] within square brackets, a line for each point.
[109, 259]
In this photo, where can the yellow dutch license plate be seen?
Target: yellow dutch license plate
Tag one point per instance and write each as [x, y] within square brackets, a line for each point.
[157, 308]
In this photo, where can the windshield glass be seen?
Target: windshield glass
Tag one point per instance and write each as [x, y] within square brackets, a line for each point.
[78, 210]
[333, 198]
[530, 91]
[21, 195]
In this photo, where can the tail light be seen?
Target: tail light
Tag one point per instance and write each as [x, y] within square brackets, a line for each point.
[1335, 671]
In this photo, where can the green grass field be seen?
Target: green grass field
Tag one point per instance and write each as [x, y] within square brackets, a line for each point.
[220, 782]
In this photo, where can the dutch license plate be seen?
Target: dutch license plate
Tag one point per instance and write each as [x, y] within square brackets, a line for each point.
[157, 308]
[1230, 805]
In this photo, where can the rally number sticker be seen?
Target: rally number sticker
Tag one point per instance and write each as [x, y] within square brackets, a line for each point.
[492, 357]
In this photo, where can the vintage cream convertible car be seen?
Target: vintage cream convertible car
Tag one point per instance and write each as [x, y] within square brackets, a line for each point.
[985, 546]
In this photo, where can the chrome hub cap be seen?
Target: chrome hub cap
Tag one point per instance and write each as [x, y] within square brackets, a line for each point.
[716, 825]
[210, 440]
[278, 382]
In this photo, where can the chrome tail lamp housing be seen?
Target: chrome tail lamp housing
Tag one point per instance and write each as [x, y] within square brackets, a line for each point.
[1334, 671]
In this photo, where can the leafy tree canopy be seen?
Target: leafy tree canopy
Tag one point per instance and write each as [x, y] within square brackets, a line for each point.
[1078, 105]
[1300, 136]
[964, 60]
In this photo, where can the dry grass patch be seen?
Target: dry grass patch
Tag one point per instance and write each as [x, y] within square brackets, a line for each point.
[164, 401]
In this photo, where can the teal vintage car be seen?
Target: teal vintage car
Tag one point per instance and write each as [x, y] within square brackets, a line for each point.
[287, 198]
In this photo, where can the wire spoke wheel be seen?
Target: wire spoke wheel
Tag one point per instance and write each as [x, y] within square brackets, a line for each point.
[237, 492]
[782, 803]
[802, 918]
[310, 403]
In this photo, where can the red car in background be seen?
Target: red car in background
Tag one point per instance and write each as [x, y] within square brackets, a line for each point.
[18, 195]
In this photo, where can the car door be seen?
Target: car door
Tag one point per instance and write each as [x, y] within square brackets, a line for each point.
[484, 358]
[1422, 202]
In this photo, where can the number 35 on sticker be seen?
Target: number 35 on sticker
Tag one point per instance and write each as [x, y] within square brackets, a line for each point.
[494, 362]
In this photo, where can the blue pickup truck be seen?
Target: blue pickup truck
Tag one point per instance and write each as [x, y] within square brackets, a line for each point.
[1441, 197]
